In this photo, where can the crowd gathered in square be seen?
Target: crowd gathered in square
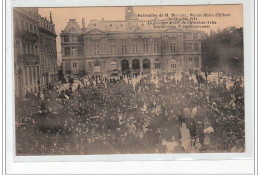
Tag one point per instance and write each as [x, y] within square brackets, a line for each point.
[101, 115]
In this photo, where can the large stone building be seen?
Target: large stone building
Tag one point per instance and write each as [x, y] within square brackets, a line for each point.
[48, 52]
[33, 55]
[130, 45]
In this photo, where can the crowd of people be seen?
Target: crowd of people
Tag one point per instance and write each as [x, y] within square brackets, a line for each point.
[100, 115]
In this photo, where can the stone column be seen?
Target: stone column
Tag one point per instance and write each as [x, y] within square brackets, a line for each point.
[119, 64]
[152, 63]
[130, 64]
[141, 65]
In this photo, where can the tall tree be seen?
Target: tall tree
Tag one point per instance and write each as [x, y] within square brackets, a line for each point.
[224, 50]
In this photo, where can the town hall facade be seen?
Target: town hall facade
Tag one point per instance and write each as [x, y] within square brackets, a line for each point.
[130, 45]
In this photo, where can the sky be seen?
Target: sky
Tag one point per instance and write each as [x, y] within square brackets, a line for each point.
[61, 16]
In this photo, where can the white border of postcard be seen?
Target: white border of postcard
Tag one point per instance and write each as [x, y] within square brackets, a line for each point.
[149, 163]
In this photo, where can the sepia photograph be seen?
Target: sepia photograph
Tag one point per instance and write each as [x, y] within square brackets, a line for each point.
[128, 80]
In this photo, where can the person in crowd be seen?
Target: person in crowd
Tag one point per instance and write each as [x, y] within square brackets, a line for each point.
[201, 134]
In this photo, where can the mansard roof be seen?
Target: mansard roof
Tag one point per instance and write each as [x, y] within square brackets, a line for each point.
[72, 27]
[107, 26]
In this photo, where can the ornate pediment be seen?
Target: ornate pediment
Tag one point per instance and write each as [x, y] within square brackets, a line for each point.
[95, 31]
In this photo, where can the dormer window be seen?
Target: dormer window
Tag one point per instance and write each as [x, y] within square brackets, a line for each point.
[73, 29]
[94, 24]
[74, 39]
[66, 39]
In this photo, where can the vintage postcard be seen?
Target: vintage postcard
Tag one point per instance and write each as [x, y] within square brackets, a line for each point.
[129, 80]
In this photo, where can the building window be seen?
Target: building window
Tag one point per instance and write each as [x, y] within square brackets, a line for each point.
[155, 46]
[187, 36]
[27, 26]
[35, 29]
[37, 74]
[195, 35]
[26, 76]
[67, 51]
[73, 29]
[17, 44]
[113, 65]
[34, 75]
[22, 23]
[30, 76]
[28, 50]
[32, 48]
[74, 65]
[24, 48]
[196, 46]
[112, 48]
[145, 45]
[31, 28]
[123, 46]
[80, 38]
[189, 47]
[173, 47]
[97, 66]
[135, 50]
[95, 48]
[74, 39]
[74, 51]
[190, 59]
[157, 63]
[36, 50]
[66, 39]
[196, 61]
[173, 66]
[45, 60]
[184, 36]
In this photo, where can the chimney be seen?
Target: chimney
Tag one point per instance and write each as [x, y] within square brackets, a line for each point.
[50, 17]
[83, 23]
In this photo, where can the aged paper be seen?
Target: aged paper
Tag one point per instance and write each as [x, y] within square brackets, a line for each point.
[129, 80]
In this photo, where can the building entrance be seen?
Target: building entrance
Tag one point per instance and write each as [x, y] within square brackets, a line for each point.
[125, 66]
[146, 64]
[135, 64]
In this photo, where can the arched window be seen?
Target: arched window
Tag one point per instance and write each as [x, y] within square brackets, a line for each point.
[136, 64]
[146, 64]
[113, 65]
[97, 67]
